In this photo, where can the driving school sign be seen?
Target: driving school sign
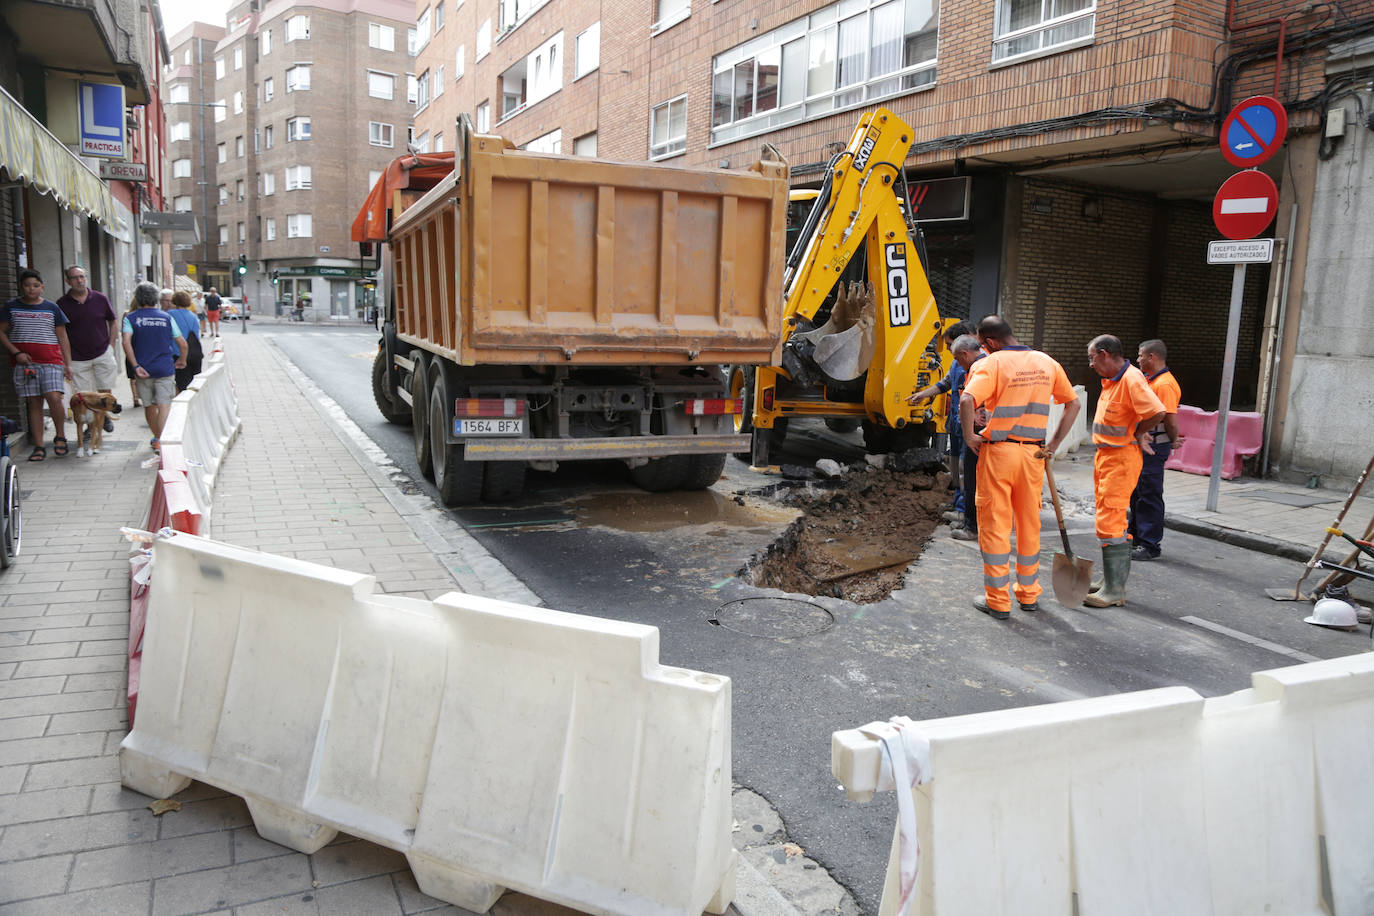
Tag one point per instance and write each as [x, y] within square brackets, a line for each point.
[101, 108]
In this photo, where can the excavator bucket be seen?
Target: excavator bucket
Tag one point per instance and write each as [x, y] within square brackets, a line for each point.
[844, 344]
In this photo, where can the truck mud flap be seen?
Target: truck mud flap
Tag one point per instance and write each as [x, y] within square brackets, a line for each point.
[494, 449]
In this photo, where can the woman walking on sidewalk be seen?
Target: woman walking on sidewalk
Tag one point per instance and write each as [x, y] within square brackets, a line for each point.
[185, 318]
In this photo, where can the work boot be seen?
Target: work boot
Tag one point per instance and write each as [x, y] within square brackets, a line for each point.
[1116, 568]
[981, 603]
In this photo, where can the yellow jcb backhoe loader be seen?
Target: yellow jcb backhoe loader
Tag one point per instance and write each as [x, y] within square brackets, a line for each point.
[862, 328]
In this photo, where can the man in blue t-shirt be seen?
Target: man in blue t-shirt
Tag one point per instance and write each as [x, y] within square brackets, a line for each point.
[155, 348]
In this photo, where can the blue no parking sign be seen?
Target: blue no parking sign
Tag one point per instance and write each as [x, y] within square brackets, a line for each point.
[1253, 131]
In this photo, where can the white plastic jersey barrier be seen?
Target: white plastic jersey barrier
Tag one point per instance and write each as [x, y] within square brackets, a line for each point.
[1150, 802]
[1078, 432]
[201, 424]
[495, 745]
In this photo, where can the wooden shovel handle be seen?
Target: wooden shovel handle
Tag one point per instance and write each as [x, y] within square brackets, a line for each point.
[1054, 497]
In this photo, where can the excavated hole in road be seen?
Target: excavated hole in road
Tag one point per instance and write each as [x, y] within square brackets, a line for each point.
[856, 535]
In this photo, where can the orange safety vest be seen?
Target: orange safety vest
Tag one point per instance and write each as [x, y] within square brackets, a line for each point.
[1166, 388]
[1017, 386]
[1125, 401]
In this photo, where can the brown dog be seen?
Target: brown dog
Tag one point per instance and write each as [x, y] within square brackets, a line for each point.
[89, 409]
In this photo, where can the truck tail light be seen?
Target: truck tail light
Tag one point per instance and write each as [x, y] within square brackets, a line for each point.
[703, 407]
[489, 407]
[766, 398]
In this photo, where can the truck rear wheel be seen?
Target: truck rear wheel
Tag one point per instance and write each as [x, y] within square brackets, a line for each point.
[393, 410]
[459, 481]
[660, 474]
[504, 482]
[419, 414]
[702, 471]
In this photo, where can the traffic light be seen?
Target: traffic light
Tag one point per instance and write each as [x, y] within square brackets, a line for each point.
[274, 278]
[243, 265]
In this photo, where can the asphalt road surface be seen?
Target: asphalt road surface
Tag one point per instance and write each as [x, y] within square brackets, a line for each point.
[586, 540]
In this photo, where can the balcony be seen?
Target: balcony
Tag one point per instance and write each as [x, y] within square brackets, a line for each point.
[92, 37]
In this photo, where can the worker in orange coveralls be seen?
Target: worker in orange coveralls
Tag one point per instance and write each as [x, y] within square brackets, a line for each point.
[1016, 385]
[1126, 412]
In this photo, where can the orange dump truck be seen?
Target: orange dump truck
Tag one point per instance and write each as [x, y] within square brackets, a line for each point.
[542, 308]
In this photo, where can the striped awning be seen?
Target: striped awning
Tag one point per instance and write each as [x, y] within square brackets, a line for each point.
[30, 154]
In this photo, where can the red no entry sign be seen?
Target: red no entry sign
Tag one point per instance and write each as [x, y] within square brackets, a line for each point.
[1245, 205]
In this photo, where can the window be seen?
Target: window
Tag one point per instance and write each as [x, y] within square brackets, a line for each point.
[298, 178]
[422, 91]
[186, 58]
[224, 235]
[223, 191]
[238, 102]
[533, 79]
[421, 143]
[268, 135]
[483, 39]
[298, 78]
[265, 42]
[297, 28]
[221, 110]
[585, 145]
[671, 12]
[181, 168]
[822, 63]
[588, 51]
[412, 88]
[180, 93]
[269, 89]
[422, 31]
[298, 226]
[552, 142]
[180, 130]
[381, 37]
[483, 120]
[1033, 26]
[379, 134]
[238, 189]
[219, 68]
[238, 58]
[270, 229]
[222, 153]
[243, 233]
[460, 62]
[514, 12]
[269, 184]
[257, 140]
[181, 204]
[668, 128]
[412, 38]
[438, 81]
[297, 129]
[381, 85]
[373, 176]
[439, 142]
[439, 15]
[238, 147]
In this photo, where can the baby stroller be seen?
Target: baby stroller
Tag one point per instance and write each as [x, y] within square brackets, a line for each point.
[9, 496]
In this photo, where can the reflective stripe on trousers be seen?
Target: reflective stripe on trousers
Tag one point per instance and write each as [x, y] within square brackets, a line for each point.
[1115, 472]
[1010, 478]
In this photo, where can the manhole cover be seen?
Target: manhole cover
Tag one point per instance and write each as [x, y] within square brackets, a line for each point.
[774, 618]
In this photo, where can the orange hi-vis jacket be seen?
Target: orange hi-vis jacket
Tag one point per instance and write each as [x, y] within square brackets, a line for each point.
[1166, 388]
[1018, 385]
[1125, 401]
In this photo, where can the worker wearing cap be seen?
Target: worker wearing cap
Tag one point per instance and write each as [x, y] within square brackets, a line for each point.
[1016, 386]
[1126, 412]
[1147, 502]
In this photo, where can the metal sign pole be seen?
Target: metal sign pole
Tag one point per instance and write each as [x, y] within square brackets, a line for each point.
[1228, 376]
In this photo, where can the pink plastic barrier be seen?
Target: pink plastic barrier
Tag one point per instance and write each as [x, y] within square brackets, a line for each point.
[1244, 432]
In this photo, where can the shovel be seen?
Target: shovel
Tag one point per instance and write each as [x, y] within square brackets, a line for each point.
[1072, 576]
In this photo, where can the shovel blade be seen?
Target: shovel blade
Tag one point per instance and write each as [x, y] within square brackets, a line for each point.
[1072, 577]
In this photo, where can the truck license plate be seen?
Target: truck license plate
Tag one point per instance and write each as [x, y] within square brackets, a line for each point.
[488, 427]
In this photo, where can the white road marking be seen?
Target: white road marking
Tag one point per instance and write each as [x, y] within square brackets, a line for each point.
[1252, 640]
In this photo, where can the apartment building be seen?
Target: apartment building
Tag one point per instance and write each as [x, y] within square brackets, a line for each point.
[310, 104]
[1064, 160]
[191, 116]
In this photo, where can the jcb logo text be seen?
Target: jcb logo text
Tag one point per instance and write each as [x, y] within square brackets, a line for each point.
[898, 289]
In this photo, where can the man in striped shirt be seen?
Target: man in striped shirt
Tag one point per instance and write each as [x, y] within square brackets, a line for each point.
[33, 331]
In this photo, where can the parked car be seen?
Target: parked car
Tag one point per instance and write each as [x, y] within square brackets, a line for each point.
[231, 308]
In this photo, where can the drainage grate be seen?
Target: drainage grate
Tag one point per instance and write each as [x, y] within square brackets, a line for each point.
[774, 618]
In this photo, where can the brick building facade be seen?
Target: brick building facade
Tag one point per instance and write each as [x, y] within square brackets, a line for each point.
[1083, 134]
[192, 167]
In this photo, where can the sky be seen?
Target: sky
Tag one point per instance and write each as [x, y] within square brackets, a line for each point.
[178, 14]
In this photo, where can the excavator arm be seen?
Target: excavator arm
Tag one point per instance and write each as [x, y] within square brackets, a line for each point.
[880, 340]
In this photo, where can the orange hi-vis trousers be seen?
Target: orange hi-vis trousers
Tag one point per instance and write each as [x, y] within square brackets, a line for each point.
[1009, 482]
[1115, 473]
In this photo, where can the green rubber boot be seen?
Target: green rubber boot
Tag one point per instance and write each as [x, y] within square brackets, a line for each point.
[1116, 568]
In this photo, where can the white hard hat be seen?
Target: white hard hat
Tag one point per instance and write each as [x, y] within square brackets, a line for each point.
[1334, 613]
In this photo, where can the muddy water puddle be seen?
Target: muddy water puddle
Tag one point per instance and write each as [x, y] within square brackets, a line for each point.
[855, 537]
[653, 512]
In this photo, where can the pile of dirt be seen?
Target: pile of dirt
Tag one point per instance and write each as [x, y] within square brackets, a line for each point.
[857, 534]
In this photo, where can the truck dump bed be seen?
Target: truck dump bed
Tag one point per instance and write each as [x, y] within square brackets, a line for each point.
[528, 259]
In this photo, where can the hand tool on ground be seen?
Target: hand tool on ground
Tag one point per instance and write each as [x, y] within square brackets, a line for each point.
[1072, 576]
[1296, 593]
